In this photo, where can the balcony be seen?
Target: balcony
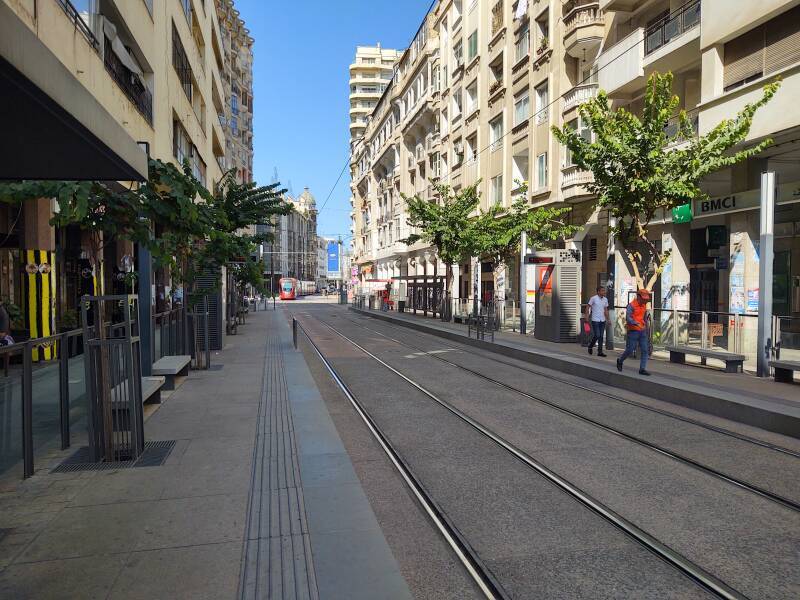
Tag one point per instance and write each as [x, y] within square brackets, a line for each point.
[620, 5]
[583, 30]
[578, 95]
[673, 128]
[129, 83]
[574, 181]
[672, 27]
[627, 58]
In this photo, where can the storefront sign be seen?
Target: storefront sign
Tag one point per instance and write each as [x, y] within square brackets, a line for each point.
[741, 201]
[682, 214]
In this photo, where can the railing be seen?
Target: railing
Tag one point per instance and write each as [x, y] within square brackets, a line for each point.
[79, 23]
[129, 83]
[672, 26]
[673, 127]
[585, 14]
[579, 94]
[572, 175]
[42, 404]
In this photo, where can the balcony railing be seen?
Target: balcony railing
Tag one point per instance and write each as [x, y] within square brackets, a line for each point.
[672, 26]
[579, 94]
[585, 14]
[80, 24]
[571, 175]
[129, 83]
[673, 127]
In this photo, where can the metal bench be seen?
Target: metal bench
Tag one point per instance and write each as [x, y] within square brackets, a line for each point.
[733, 362]
[784, 370]
[172, 367]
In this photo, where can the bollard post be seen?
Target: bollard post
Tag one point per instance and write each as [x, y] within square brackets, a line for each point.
[294, 332]
[63, 389]
[27, 411]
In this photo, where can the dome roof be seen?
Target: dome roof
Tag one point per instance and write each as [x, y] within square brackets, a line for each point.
[307, 198]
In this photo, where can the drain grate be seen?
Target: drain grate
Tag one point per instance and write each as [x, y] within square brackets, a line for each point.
[154, 455]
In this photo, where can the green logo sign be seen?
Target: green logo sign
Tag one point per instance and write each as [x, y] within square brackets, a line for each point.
[682, 214]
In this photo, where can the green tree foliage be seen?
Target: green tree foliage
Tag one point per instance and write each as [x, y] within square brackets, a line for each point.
[446, 224]
[641, 171]
[498, 231]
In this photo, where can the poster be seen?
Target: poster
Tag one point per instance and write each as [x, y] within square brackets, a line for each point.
[476, 278]
[500, 283]
[736, 300]
[752, 300]
[546, 291]
[666, 281]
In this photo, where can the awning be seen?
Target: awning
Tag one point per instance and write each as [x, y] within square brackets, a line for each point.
[52, 126]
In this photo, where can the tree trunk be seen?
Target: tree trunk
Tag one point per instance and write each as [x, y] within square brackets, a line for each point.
[447, 304]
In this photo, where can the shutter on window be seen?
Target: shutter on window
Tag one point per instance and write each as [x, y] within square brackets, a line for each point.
[783, 41]
[744, 57]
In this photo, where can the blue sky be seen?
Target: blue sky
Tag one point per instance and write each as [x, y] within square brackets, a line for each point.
[303, 49]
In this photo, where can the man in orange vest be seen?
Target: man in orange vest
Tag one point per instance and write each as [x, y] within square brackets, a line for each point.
[636, 320]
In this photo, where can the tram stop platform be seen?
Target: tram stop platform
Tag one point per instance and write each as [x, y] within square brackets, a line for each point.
[741, 397]
[255, 497]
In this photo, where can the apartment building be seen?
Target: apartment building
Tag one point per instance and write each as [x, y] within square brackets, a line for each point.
[295, 248]
[474, 97]
[237, 119]
[369, 75]
[472, 100]
[156, 72]
[721, 53]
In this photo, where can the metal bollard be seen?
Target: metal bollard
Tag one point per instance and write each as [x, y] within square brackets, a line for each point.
[294, 332]
[27, 411]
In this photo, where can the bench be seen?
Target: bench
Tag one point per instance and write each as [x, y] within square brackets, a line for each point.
[151, 393]
[784, 370]
[733, 362]
[172, 367]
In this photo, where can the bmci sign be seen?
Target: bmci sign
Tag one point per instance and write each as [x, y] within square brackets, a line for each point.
[333, 258]
[718, 204]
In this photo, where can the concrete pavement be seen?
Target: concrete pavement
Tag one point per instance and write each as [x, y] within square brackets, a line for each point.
[257, 499]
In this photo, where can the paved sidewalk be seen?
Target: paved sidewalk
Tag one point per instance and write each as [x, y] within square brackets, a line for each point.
[257, 499]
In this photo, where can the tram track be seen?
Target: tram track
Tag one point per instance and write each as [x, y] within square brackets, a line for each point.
[730, 479]
[704, 579]
[708, 426]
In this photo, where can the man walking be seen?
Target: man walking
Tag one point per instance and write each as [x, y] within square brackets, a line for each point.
[635, 318]
[597, 315]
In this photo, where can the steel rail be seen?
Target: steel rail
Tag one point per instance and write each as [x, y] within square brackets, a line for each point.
[749, 487]
[709, 426]
[690, 569]
[481, 574]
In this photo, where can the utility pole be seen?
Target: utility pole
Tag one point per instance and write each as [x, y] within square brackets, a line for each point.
[523, 284]
[765, 341]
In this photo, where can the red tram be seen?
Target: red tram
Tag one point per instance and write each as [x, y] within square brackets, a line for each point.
[291, 288]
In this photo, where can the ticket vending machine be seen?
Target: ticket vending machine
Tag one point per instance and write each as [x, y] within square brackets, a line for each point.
[555, 275]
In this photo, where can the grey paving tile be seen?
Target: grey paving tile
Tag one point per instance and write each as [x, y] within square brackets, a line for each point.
[88, 578]
[338, 508]
[356, 565]
[326, 469]
[205, 572]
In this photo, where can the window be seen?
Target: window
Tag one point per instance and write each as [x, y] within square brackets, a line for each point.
[543, 31]
[542, 101]
[181, 63]
[541, 171]
[496, 133]
[234, 104]
[368, 61]
[472, 97]
[457, 103]
[472, 45]
[181, 144]
[522, 47]
[472, 148]
[522, 108]
[497, 190]
[519, 168]
[458, 54]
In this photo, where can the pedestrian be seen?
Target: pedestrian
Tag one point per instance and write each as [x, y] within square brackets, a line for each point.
[636, 320]
[597, 315]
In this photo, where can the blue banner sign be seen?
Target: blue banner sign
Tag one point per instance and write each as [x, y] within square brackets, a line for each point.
[333, 258]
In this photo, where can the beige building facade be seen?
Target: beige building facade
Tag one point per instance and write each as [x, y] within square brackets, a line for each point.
[474, 98]
[159, 70]
[370, 73]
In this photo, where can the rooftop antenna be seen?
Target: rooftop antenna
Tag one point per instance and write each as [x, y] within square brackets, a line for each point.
[275, 175]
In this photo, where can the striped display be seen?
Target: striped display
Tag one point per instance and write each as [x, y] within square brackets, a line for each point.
[40, 274]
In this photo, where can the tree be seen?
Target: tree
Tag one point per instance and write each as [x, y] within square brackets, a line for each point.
[447, 225]
[499, 230]
[640, 170]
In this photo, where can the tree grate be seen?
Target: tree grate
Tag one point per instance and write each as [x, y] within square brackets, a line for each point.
[155, 454]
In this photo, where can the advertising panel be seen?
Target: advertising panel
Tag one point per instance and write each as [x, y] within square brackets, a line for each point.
[333, 258]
